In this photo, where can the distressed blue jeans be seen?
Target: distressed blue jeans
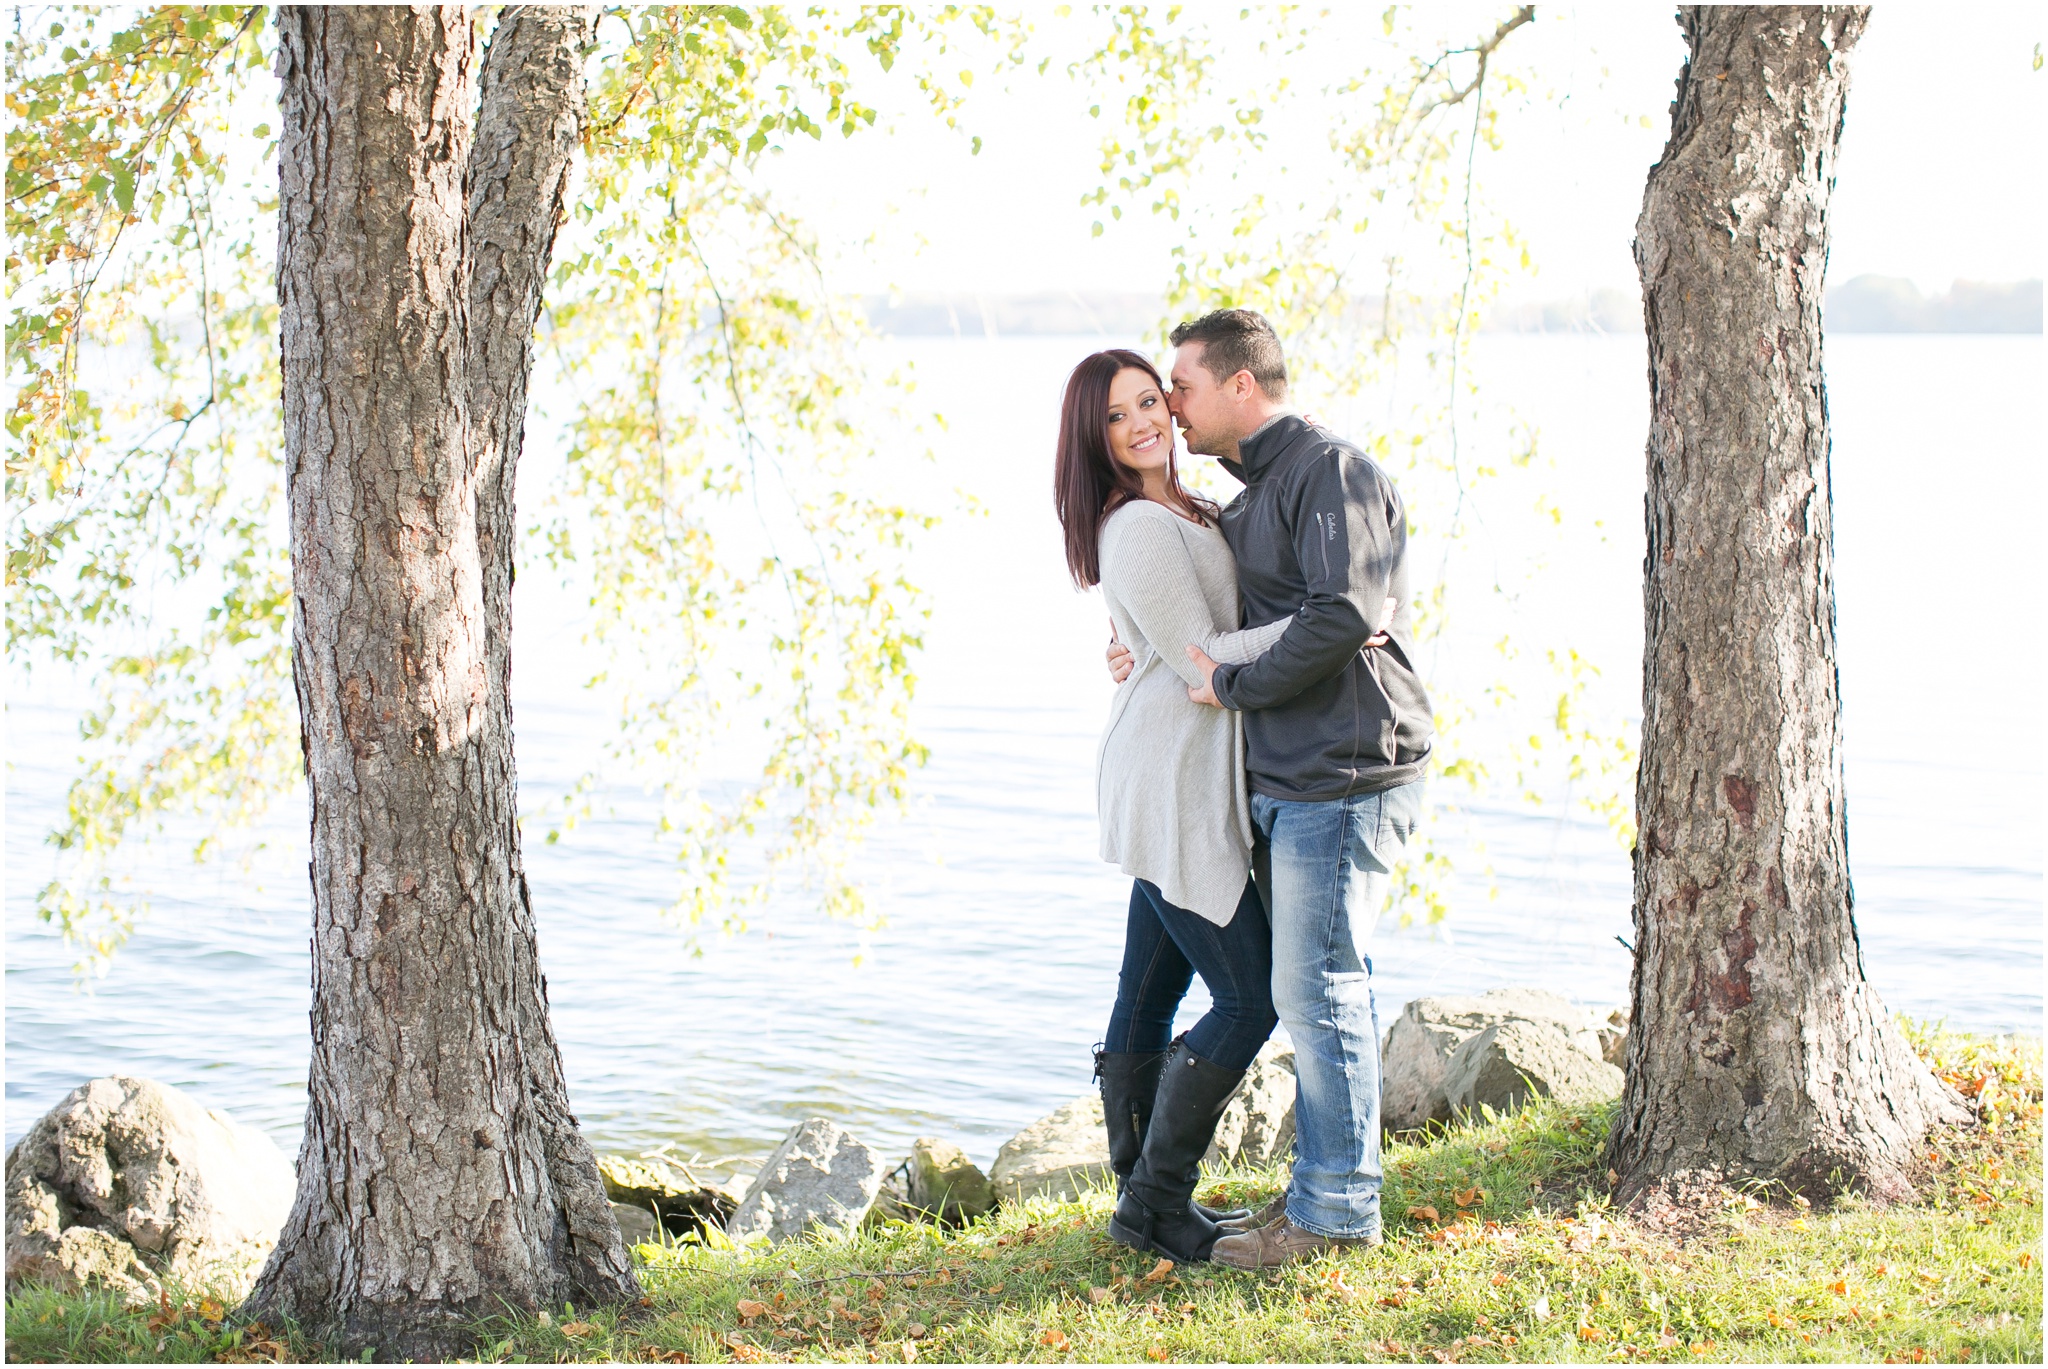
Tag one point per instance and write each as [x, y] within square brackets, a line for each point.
[1324, 868]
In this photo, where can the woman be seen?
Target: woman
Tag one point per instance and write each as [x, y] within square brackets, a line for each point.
[1170, 792]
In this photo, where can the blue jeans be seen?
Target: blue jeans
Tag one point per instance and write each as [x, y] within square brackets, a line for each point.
[1324, 867]
[1164, 948]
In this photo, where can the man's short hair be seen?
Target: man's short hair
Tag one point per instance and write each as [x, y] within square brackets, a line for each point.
[1236, 340]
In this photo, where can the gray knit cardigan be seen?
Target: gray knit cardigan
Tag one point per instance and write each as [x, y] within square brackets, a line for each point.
[1169, 774]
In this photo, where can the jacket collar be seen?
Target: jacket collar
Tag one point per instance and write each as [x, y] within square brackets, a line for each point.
[1256, 452]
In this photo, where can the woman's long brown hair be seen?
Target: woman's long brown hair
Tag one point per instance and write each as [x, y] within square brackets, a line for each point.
[1087, 483]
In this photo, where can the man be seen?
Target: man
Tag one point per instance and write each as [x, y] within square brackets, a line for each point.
[1338, 733]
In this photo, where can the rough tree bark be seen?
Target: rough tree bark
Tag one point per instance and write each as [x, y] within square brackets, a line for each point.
[1758, 1049]
[442, 1174]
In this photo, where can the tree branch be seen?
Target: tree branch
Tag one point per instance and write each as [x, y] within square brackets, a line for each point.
[1484, 51]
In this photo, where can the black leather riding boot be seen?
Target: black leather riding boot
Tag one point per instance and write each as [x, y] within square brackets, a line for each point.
[1157, 1210]
[1130, 1082]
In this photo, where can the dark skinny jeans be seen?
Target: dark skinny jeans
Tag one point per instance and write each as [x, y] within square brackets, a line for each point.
[1164, 948]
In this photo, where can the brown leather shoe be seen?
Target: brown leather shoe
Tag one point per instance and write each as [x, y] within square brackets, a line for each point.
[1265, 1216]
[1283, 1242]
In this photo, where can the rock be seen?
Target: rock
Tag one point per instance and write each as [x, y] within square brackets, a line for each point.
[636, 1225]
[1614, 1039]
[127, 1181]
[1062, 1153]
[820, 1179]
[1257, 1126]
[945, 1183]
[892, 1201]
[1508, 1062]
[1419, 1045]
[1057, 1156]
[656, 1188]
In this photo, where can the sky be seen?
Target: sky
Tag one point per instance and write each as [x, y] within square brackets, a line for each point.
[1940, 172]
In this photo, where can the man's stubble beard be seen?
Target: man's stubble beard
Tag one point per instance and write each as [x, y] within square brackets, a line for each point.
[1205, 445]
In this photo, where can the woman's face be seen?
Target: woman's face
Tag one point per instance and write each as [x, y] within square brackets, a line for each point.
[1140, 429]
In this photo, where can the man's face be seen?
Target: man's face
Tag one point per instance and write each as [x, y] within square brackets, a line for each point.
[1208, 410]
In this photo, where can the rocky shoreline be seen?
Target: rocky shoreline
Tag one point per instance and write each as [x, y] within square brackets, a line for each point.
[127, 1182]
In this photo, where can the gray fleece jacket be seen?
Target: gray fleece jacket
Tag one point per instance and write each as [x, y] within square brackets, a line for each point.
[1320, 532]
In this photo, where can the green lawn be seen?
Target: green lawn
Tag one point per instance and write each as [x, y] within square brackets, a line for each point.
[1502, 1245]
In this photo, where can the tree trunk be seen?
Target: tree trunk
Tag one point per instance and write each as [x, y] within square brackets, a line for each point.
[1758, 1049]
[441, 1176]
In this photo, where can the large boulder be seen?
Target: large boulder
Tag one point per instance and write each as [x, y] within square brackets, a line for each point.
[946, 1184]
[1416, 1055]
[1057, 1156]
[1257, 1126]
[657, 1191]
[819, 1180]
[128, 1181]
[1510, 1062]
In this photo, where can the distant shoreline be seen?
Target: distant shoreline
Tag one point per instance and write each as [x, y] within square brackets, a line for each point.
[1865, 304]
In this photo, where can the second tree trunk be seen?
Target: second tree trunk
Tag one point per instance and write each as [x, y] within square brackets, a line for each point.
[1758, 1049]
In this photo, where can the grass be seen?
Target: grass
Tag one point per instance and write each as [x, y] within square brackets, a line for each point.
[1502, 1245]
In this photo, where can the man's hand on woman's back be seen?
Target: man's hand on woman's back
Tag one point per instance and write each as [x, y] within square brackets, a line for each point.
[1119, 658]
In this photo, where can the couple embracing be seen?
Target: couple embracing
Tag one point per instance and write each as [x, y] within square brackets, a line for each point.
[1260, 772]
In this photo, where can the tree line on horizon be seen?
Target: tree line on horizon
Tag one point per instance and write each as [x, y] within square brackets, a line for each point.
[1861, 304]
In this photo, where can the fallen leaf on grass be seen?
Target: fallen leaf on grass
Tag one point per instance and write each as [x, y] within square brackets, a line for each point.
[1701, 1347]
[1423, 1214]
[1499, 1279]
[1101, 1295]
[1540, 1309]
[575, 1329]
[918, 1330]
[1777, 1319]
[995, 1288]
[1159, 1271]
[910, 1352]
[1591, 1332]
[1055, 1338]
[1471, 1197]
[1157, 1354]
[748, 1308]
[1840, 1288]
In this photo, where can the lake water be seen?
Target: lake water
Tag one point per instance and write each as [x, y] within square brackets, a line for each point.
[973, 1010]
